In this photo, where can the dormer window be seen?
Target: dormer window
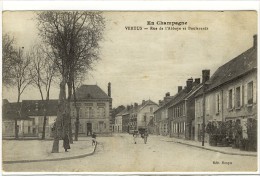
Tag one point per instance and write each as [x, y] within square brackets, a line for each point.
[36, 106]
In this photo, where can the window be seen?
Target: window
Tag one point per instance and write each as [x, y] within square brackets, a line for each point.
[101, 112]
[250, 93]
[151, 109]
[217, 103]
[238, 97]
[230, 99]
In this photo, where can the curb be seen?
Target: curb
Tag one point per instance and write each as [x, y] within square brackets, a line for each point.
[54, 159]
[214, 150]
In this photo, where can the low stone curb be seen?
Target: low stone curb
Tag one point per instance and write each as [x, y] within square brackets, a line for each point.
[214, 150]
[54, 159]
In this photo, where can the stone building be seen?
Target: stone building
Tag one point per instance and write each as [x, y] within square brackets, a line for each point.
[181, 112]
[231, 92]
[161, 116]
[141, 115]
[95, 108]
[29, 115]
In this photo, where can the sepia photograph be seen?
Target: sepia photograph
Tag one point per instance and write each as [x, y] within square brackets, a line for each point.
[129, 91]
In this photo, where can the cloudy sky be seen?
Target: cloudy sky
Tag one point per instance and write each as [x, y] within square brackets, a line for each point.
[143, 64]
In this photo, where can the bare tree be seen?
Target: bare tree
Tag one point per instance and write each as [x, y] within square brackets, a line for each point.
[73, 37]
[16, 69]
[9, 59]
[42, 74]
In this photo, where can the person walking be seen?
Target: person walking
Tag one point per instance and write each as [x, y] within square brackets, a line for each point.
[145, 136]
[135, 136]
[94, 141]
[66, 142]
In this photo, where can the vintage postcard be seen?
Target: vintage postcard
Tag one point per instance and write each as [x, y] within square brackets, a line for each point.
[129, 91]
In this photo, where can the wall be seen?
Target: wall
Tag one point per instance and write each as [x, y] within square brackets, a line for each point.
[98, 118]
[225, 111]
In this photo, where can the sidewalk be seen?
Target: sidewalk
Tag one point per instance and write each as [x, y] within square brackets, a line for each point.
[225, 150]
[22, 151]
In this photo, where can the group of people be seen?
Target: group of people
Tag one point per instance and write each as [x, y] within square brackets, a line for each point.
[144, 135]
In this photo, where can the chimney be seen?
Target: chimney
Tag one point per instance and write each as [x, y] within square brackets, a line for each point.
[128, 107]
[132, 106]
[197, 81]
[109, 89]
[136, 104]
[205, 75]
[189, 84]
[143, 102]
[160, 102]
[255, 41]
[167, 94]
[179, 88]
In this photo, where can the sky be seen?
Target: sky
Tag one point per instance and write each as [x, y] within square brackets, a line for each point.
[145, 64]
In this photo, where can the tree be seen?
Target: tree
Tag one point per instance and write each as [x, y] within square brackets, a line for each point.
[73, 38]
[9, 59]
[42, 74]
[16, 70]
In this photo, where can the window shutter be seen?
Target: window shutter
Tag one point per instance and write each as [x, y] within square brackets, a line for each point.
[216, 103]
[245, 94]
[254, 92]
[233, 97]
[227, 99]
[220, 101]
[241, 95]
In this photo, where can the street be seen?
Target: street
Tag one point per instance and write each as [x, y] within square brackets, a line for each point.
[120, 154]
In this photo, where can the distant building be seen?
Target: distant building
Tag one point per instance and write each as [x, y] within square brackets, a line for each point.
[231, 93]
[29, 115]
[141, 115]
[160, 121]
[95, 108]
[181, 112]
[35, 110]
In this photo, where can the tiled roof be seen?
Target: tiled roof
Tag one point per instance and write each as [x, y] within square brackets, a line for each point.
[11, 111]
[166, 103]
[36, 107]
[135, 109]
[90, 92]
[239, 66]
[236, 67]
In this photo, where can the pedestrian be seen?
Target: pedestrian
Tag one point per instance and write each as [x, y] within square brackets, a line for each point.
[94, 141]
[145, 136]
[66, 142]
[135, 136]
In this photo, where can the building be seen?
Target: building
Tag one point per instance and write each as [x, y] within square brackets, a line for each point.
[35, 110]
[160, 121]
[181, 112]
[231, 93]
[95, 108]
[10, 113]
[141, 115]
[29, 115]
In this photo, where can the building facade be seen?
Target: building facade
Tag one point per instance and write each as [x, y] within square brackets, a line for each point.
[94, 107]
[231, 93]
[181, 113]
[141, 115]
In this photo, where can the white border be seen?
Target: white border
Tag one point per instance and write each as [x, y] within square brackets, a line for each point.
[133, 5]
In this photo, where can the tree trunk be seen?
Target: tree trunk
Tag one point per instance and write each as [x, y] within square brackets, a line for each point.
[16, 129]
[15, 120]
[60, 127]
[77, 113]
[68, 109]
[44, 120]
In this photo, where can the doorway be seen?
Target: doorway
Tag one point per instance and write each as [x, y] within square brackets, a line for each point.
[89, 129]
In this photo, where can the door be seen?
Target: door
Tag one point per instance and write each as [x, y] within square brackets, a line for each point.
[89, 129]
